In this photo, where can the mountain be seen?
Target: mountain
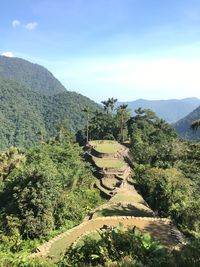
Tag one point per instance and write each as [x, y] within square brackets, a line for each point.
[170, 110]
[33, 76]
[26, 110]
[183, 126]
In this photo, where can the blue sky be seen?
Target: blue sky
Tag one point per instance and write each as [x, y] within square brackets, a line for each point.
[102, 48]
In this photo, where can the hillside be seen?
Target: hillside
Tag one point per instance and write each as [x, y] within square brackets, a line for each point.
[29, 106]
[52, 215]
[183, 125]
[33, 76]
[170, 110]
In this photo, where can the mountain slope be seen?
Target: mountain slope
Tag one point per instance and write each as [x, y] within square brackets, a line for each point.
[183, 125]
[171, 110]
[20, 117]
[24, 114]
[32, 102]
[33, 76]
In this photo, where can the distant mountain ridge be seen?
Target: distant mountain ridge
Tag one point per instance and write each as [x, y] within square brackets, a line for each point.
[33, 101]
[183, 126]
[170, 110]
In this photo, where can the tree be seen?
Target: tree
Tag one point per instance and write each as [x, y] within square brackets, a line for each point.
[112, 102]
[109, 104]
[86, 110]
[106, 105]
[103, 126]
[124, 116]
[195, 125]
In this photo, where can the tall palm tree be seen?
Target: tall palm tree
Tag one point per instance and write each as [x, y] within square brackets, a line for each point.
[122, 109]
[106, 105]
[139, 112]
[112, 101]
[86, 110]
[195, 125]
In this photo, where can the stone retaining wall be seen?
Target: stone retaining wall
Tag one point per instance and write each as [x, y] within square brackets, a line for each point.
[162, 225]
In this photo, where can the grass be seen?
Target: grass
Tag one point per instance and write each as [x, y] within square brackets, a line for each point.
[106, 146]
[93, 236]
[125, 211]
[109, 163]
[132, 198]
[110, 182]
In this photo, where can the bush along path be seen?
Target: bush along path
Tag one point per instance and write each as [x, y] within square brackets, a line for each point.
[125, 206]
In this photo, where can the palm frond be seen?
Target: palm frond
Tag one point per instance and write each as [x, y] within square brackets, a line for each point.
[195, 125]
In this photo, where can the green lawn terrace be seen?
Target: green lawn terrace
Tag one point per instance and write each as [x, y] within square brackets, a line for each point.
[111, 183]
[107, 164]
[106, 148]
[107, 155]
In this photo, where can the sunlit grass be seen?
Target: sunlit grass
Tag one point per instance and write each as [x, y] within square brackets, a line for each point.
[110, 182]
[132, 198]
[94, 236]
[109, 163]
[106, 146]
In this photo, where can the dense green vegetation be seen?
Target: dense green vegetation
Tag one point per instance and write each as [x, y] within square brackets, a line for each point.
[110, 124]
[28, 117]
[47, 191]
[114, 246]
[170, 110]
[167, 170]
[183, 126]
[33, 76]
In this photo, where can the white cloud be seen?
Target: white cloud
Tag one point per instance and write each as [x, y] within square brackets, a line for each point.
[130, 78]
[7, 54]
[16, 23]
[31, 25]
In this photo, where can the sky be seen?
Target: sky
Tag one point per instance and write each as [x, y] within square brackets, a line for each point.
[128, 49]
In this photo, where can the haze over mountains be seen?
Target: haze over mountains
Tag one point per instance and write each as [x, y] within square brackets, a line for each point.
[183, 126]
[170, 110]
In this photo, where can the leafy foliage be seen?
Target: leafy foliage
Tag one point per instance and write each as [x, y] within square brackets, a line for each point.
[195, 125]
[167, 170]
[28, 117]
[48, 190]
[32, 76]
[129, 249]
[116, 246]
[110, 124]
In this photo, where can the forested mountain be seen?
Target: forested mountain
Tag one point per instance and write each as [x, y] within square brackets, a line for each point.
[170, 110]
[33, 76]
[33, 104]
[183, 126]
